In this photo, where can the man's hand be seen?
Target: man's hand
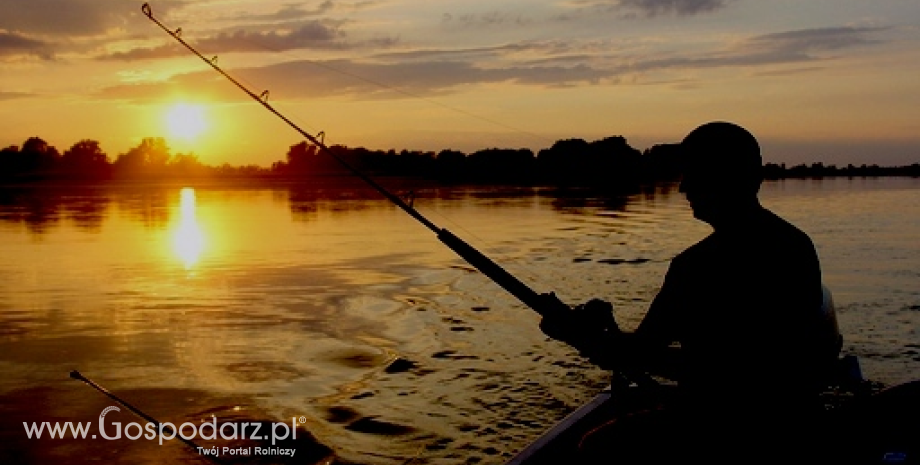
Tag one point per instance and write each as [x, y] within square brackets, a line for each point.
[589, 327]
[582, 321]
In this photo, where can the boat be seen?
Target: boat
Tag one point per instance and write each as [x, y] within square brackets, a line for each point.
[874, 426]
[864, 423]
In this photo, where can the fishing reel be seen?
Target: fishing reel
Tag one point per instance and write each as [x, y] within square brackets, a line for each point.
[583, 325]
[590, 328]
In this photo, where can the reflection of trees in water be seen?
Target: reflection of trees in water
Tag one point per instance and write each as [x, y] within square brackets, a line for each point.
[41, 208]
[657, 191]
[573, 200]
[307, 201]
[348, 194]
[148, 205]
[86, 212]
[501, 192]
[36, 212]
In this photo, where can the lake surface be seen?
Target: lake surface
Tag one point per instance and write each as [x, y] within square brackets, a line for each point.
[327, 304]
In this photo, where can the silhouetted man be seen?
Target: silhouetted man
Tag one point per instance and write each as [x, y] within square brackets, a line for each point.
[743, 304]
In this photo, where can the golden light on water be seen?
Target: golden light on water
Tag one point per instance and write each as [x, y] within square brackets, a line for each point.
[188, 239]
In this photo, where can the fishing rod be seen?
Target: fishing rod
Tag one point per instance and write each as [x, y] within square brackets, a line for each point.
[167, 428]
[545, 304]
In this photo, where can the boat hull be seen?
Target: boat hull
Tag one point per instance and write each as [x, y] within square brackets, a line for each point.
[877, 428]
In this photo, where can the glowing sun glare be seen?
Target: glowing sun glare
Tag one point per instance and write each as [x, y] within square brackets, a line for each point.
[185, 121]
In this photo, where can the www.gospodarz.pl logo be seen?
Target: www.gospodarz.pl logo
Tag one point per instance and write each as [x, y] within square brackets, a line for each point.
[207, 430]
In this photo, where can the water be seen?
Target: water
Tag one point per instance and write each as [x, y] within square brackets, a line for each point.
[331, 306]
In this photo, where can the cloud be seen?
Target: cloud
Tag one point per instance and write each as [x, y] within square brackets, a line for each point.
[805, 45]
[73, 17]
[303, 79]
[12, 44]
[812, 40]
[651, 8]
[678, 7]
[313, 34]
[790, 72]
[549, 48]
[484, 20]
[13, 95]
[292, 12]
[433, 72]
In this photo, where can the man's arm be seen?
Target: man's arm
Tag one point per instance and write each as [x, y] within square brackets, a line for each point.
[592, 329]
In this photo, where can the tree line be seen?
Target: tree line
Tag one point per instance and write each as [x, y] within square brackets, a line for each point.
[610, 161]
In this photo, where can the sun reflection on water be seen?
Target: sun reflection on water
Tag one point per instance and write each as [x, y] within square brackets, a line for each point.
[188, 239]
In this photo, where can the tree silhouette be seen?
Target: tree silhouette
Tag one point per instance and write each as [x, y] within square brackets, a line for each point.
[186, 165]
[662, 161]
[614, 157]
[8, 160]
[301, 157]
[37, 155]
[502, 165]
[608, 163]
[450, 165]
[35, 160]
[85, 159]
[147, 159]
[85, 153]
[304, 159]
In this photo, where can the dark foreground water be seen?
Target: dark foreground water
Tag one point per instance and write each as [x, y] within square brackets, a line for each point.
[330, 308]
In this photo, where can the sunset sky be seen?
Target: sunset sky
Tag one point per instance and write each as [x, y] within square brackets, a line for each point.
[816, 80]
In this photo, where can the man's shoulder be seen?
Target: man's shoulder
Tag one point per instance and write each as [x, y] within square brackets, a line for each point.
[781, 230]
[770, 232]
[698, 251]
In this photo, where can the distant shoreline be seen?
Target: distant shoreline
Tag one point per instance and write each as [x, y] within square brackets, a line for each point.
[349, 182]
[609, 163]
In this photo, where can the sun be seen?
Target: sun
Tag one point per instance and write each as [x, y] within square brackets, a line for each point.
[186, 121]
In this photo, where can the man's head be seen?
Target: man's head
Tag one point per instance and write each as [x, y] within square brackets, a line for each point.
[721, 170]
